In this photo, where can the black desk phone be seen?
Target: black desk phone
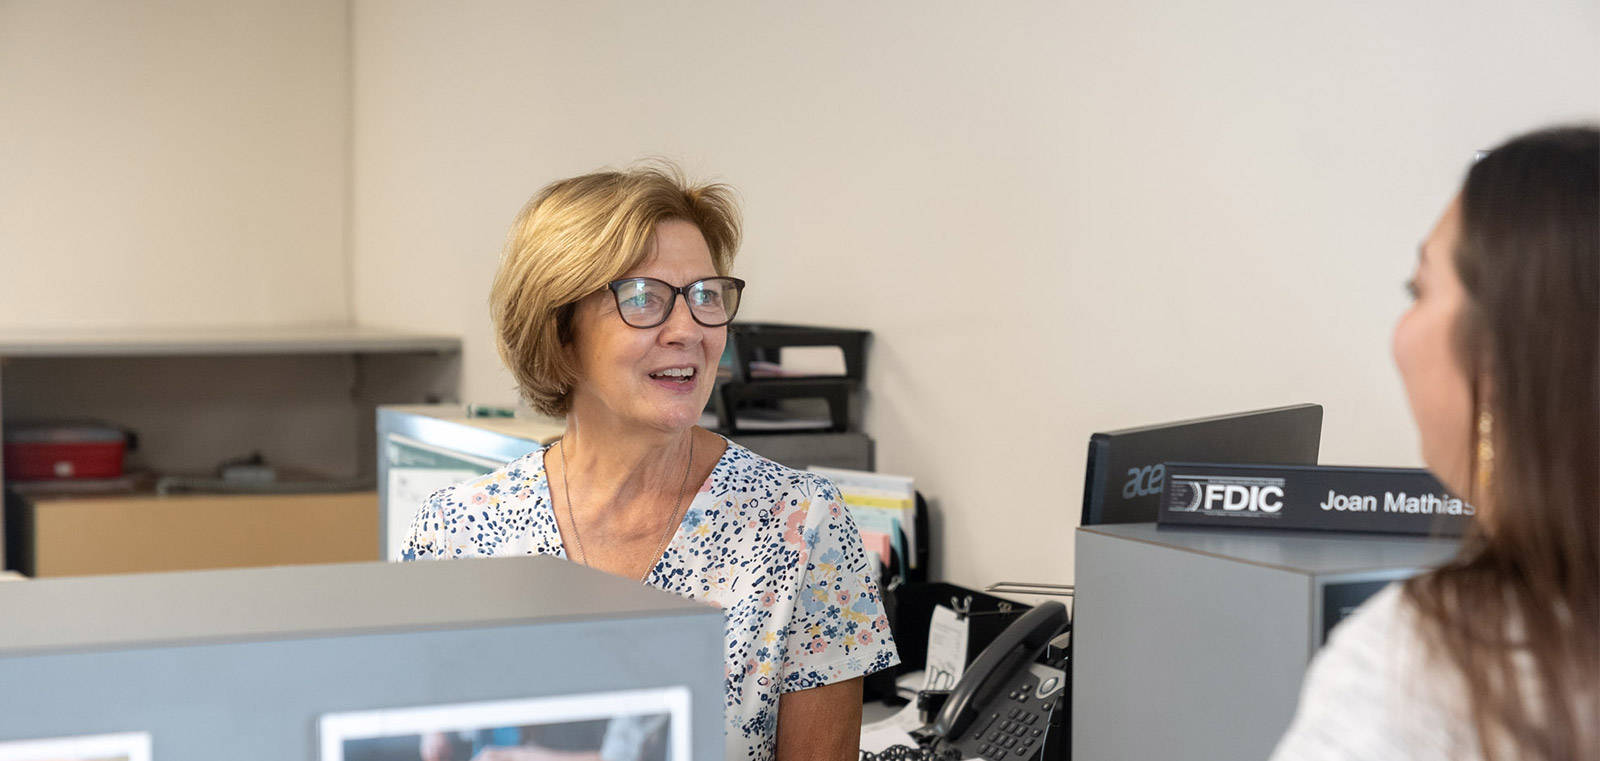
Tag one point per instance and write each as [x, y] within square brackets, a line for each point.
[1007, 706]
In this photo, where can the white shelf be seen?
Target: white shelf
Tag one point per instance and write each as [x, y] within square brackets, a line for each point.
[231, 341]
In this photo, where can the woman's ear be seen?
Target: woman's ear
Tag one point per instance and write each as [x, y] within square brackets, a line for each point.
[569, 354]
[566, 335]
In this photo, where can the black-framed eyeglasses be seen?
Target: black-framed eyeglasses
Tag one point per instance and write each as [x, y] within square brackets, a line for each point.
[645, 302]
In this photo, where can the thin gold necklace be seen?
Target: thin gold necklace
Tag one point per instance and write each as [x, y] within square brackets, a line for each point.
[672, 522]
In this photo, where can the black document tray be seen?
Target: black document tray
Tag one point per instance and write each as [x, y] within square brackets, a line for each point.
[764, 342]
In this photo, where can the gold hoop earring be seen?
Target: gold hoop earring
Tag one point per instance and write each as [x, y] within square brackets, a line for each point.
[1485, 452]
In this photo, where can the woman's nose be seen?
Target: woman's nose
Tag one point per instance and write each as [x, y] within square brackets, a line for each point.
[680, 327]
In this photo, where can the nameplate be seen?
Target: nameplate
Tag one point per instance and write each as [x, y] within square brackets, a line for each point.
[1315, 497]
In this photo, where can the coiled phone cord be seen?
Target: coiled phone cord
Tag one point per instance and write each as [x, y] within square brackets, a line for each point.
[903, 753]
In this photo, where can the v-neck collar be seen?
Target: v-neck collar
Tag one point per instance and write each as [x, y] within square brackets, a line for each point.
[556, 544]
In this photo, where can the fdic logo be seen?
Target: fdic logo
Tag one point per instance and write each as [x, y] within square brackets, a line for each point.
[1231, 494]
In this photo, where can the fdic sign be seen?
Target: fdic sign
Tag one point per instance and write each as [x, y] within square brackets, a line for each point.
[1382, 500]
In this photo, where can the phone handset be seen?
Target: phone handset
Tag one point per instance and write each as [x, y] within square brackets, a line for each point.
[1010, 652]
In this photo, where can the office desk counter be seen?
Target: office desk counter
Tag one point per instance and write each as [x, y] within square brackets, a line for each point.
[1191, 642]
[242, 663]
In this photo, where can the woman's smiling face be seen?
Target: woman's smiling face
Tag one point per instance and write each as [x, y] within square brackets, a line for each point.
[656, 378]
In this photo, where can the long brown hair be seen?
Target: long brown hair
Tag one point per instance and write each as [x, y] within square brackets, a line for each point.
[1527, 581]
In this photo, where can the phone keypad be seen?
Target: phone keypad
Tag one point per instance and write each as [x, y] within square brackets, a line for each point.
[1014, 727]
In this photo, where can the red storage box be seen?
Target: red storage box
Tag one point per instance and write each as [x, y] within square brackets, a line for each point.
[53, 451]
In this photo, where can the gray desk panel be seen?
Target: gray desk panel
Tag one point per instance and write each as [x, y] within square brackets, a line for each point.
[1309, 552]
[261, 700]
[317, 600]
[1191, 643]
[1156, 671]
[248, 679]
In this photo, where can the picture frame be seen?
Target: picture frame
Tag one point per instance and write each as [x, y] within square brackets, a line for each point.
[654, 720]
[122, 746]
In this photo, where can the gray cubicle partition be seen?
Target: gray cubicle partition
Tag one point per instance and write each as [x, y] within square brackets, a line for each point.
[1190, 643]
[240, 664]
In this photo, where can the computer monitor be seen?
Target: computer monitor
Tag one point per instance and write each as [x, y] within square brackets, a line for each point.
[1122, 483]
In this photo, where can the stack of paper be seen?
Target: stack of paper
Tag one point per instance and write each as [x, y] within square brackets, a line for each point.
[885, 510]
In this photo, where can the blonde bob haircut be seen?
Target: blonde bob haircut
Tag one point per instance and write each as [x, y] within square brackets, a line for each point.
[571, 240]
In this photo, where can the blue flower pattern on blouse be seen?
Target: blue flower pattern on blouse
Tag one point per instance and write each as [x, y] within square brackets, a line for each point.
[773, 547]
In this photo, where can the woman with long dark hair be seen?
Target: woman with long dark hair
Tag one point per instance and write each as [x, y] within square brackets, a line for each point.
[1495, 655]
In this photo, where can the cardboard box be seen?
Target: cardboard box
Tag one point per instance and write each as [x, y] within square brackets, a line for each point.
[78, 536]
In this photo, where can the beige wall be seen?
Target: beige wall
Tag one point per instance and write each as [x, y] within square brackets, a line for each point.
[174, 162]
[1056, 217]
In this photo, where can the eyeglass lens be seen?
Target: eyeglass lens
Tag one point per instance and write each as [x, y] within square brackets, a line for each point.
[647, 302]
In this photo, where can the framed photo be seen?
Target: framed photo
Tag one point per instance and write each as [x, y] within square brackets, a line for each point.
[129, 746]
[633, 725]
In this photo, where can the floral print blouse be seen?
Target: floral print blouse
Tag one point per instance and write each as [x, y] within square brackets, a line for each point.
[772, 546]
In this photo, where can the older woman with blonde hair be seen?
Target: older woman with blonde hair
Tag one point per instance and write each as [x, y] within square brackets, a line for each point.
[587, 313]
